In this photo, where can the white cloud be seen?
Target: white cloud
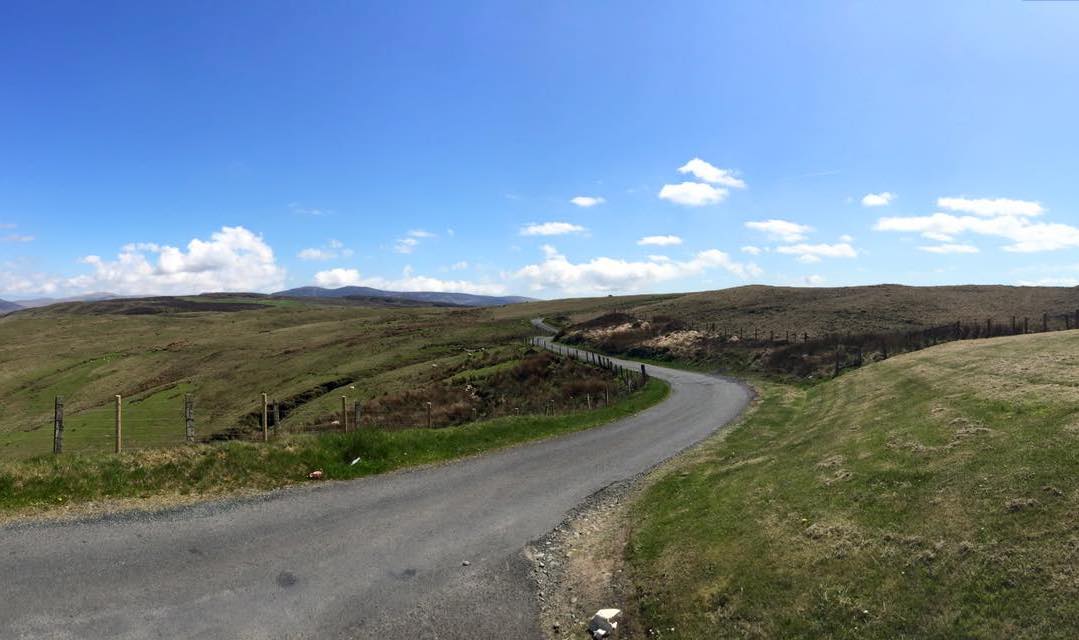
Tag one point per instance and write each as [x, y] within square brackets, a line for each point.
[659, 241]
[846, 238]
[407, 282]
[990, 207]
[459, 266]
[658, 258]
[420, 233]
[234, 259]
[611, 274]
[587, 201]
[813, 280]
[950, 248]
[692, 194]
[709, 173]
[16, 237]
[877, 199]
[334, 278]
[752, 250]
[782, 230]
[811, 253]
[1025, 236]
[550, 229]
[334, 249]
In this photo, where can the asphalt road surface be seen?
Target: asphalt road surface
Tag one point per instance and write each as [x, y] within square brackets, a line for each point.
[379, 557]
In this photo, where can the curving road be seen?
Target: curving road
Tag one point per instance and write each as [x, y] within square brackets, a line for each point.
[380, 557]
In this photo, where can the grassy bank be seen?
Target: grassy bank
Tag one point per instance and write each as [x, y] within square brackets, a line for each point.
[46, 482]
[934, 494]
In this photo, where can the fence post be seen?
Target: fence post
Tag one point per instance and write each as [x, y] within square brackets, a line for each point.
[644, 374]
[119, 423]
[344, 413]
[189, 416]
[58, 426]
[588, 400]
[265, 419]
[429, 412]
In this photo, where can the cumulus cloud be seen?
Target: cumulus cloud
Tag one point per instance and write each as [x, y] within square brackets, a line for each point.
[990, 207]
[692, 194]
[877, 199]
[659, 241]
[611, 274]
[752, 250]
[1024, 235]
[587, 201]
[550, 229]
[811, 253]
[950, 248]
[233, 259]
[407, 282]
[705, 171]
[782, 230]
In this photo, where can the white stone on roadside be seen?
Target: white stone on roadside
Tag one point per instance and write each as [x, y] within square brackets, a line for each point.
[465, 563]
[605, 622]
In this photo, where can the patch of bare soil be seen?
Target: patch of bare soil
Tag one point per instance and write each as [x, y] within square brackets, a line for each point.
[579, 567]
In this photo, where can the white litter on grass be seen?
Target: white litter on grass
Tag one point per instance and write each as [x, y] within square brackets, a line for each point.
[354, 462]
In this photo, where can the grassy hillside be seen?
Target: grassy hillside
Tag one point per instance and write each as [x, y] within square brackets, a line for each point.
[226, 350]
[880, 308]
[935, 494]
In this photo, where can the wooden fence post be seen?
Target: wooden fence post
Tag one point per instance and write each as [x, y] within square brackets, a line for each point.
[189, 416]
[644, 374]
[58, 426]
[119, 423]
[265, 419]
[429, 413]
[344, 413]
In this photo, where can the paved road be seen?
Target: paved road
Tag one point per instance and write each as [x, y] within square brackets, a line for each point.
[379, 557]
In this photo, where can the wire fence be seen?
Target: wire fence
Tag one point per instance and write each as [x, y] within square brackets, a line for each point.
[130, 424]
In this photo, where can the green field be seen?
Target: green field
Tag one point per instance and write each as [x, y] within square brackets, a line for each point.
[932, 495]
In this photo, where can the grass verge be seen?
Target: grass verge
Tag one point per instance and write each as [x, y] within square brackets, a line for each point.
[935, 494]
[47, 482]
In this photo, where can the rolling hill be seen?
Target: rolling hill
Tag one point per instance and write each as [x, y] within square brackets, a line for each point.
[8, 307]
[434, 297]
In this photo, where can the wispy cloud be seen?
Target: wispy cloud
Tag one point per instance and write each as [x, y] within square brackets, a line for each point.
[783, 230]
[333, 250]
[17, 237]
[949, 248]
[550, 229]
[302, 210]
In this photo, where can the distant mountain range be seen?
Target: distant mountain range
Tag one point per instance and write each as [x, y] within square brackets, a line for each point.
[8, 307]
[432, 297]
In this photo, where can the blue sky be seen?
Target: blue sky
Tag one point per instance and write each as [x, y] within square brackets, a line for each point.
[185, 147]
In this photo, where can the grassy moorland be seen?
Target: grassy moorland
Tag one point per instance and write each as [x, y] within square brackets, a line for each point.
[226, 350]
[934, 494]
[204, 470]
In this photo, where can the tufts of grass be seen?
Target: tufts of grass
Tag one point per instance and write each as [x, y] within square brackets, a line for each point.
[45, 482]
[931, 495]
